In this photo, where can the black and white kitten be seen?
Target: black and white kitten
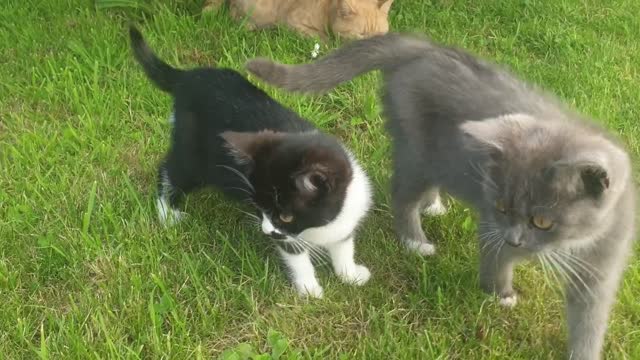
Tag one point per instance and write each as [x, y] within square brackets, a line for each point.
[546, 183]
[309, 189]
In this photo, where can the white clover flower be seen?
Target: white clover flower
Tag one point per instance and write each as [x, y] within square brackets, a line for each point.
[316, 51]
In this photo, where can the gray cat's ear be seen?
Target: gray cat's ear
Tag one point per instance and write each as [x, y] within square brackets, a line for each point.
[494, 134]
[595, 178]
[588, 171]
[485, 134]
[244, 146]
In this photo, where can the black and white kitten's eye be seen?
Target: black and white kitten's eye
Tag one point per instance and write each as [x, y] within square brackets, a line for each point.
[500, 206]
[541, 222]
[286, 218]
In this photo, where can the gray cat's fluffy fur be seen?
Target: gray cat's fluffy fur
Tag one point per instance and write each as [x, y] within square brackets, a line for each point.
[546, 182]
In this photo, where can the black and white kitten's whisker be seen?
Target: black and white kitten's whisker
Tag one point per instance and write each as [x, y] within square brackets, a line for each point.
[250, 215]
[315, 252]
[240, 175]
[240, 189]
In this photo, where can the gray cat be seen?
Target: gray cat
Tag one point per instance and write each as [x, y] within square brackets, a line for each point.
[546, 183]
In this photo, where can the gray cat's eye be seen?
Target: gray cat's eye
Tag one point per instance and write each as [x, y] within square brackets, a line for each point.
[541, 222]
[500, 206]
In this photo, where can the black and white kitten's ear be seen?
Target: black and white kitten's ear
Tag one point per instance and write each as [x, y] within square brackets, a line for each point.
[245, 145]
[313, 179]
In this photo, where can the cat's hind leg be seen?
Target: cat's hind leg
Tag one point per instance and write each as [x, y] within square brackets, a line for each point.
[172, 187]
[432, 203]
[409, 187]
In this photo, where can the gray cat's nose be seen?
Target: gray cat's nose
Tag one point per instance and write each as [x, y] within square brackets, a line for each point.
[515, 242]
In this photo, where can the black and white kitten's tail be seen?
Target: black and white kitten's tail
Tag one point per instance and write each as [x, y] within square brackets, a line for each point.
[343, 64]
[160, 73]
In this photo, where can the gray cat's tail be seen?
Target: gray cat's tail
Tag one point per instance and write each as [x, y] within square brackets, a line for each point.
[344, 64]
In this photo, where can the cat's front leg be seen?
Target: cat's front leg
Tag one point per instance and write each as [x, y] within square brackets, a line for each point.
[301, 269]
[496, 271]
[588, 314]
[341, 253]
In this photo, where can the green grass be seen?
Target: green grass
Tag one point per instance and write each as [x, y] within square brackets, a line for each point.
[87, 272]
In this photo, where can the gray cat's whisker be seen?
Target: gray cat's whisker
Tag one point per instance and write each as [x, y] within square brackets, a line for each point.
[552, 269]
[495, 238]
[557, 270]
[491, 244]
[575, 275]
[545, 268]
[484, 177]
[588, 268]
[571, 278]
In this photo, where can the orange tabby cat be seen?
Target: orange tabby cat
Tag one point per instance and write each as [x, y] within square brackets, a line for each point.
[352, 19]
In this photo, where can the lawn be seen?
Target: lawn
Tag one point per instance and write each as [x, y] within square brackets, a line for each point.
[86, 271]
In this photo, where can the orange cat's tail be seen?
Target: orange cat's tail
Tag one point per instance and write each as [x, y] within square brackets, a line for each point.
[344, 64]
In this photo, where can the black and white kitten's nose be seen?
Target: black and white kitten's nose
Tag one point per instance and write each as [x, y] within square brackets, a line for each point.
[277, 236]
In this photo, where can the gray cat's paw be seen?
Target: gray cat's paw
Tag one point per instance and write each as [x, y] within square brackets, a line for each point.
[509, 301]
[436, 208]
[420, 247]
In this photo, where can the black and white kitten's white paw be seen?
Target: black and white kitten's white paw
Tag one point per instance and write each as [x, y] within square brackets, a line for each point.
[167, 215]
[509, 300]
[358, 275]
[436, 208]
[420, 247]
[309, 289]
